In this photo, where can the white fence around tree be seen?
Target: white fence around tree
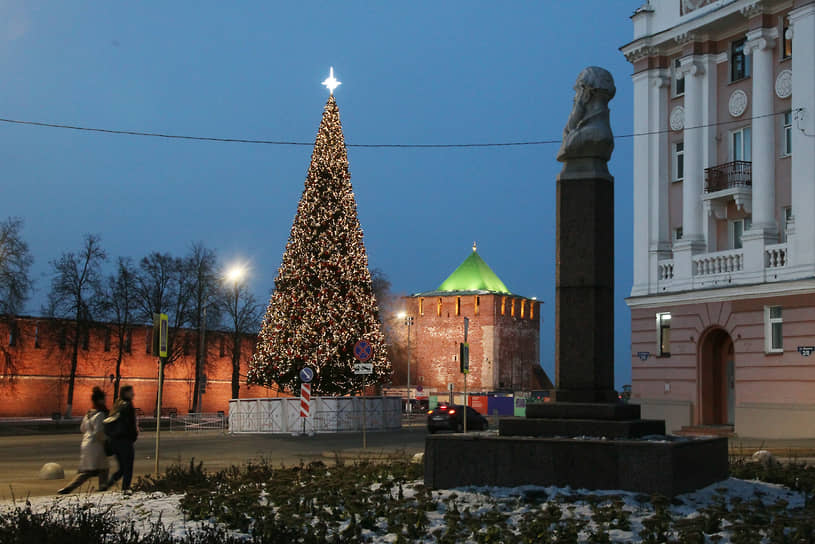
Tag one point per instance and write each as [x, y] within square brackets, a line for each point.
[327, 415]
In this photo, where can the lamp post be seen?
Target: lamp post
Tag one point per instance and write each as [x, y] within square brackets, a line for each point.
[408, 323]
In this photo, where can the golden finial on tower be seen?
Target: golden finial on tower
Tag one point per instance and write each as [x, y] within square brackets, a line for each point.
[474, 246]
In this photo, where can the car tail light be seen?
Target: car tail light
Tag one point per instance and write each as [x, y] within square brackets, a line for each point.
[451, 411]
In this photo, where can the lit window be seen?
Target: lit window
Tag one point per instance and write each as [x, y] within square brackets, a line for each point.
[773, 329]
[523, 308]
[786, 51]
[512, 307]
[458, 306]
[503, 305]
[438, 307]
[739, 62]
[421, 306]
[532, 310]
[477, 305]
[788, 133]
[664, 334]
[679, 161]
[679, 82]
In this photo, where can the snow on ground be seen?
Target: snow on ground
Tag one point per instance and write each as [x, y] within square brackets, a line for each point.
[144, 509]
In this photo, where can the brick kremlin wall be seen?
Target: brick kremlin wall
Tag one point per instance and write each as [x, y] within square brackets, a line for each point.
[34, 369]
[504, 343]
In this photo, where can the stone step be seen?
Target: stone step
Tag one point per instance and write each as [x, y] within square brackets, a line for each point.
[706, 430]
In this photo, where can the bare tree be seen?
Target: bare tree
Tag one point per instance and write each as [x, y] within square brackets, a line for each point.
[393, 326]
[163, 286]
[119, 304]
[76, 283]
[243, 314]
[15, 262]
[201, 265]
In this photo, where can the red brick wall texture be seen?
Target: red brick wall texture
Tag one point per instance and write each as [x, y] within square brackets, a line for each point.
[34, 370]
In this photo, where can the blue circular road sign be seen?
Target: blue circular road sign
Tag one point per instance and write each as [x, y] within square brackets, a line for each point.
[306, 374]
[363, 350]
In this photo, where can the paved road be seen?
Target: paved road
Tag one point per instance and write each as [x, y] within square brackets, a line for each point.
[21, 457]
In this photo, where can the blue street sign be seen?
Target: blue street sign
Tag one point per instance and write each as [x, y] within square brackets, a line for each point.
[643, 355]
[363, 350]
[306, 374]
[806, 351]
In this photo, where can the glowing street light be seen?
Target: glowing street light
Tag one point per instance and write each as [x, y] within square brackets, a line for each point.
[235, 274]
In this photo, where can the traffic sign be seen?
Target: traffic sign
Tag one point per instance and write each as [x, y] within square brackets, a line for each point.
[306, 374]
[464, 358]
[159, 348]
[419, 388]
[364, 368]
[363, 350]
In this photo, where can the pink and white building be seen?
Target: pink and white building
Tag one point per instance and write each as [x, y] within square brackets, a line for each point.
[723, 301]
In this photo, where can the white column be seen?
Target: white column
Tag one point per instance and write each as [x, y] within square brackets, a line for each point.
[760, 44]
[693, 70]
[802, 241]
[641, 184]
[659, 173]
[692, 241]
[710, 91]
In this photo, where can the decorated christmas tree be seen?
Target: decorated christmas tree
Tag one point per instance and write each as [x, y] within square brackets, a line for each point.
[323, 302]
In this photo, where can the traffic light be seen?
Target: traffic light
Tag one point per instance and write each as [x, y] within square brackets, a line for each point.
[464, 357]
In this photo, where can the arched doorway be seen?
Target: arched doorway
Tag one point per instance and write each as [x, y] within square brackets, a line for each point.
[717, 381]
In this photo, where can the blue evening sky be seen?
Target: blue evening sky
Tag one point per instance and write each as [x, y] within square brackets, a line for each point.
[415, 72]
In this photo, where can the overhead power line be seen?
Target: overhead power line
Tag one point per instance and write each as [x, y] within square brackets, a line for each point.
[399, 146]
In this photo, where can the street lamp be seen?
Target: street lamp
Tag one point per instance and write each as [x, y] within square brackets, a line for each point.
[408, 323]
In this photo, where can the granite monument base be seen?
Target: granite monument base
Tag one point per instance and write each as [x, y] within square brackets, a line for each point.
[570, 419]
[667, 467]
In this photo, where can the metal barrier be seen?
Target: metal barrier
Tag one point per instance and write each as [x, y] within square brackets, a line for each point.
[201, 421]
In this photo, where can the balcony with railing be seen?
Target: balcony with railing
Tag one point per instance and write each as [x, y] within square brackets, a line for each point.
[725, 182]
[730, 175]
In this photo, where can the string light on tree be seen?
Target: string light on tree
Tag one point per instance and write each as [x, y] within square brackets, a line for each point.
[323, 302]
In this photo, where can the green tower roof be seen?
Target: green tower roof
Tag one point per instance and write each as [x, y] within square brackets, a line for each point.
[472, 276]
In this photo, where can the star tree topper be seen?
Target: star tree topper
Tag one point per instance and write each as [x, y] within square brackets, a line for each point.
[330, 82]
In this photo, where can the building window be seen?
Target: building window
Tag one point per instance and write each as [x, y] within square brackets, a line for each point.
[739, 62]
[677, 234]
[148, 341]
[438, 307]
[61, 337]
[186, 347]
[786, 51]
[532, 310]
[37, 337]
[223, 346]
[458, 306]
[523, 308]
[421, 306]
[737, 229]
[477, 305]
[107, 339]
[86, 338]
[679, 161]
[128, 341]
[786, 217]
[503, 305]
[741, 145]
[787, 133]
[773, 329]
[664, 334]
[512, 307]
[679, 82]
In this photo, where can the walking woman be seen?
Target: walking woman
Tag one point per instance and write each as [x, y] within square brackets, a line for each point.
[122, 432]
[92, 458]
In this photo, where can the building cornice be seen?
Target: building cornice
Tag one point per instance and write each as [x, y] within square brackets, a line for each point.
[742, 292]
[694, 24]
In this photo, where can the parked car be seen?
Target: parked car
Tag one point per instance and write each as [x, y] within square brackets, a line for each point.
[450, 417]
